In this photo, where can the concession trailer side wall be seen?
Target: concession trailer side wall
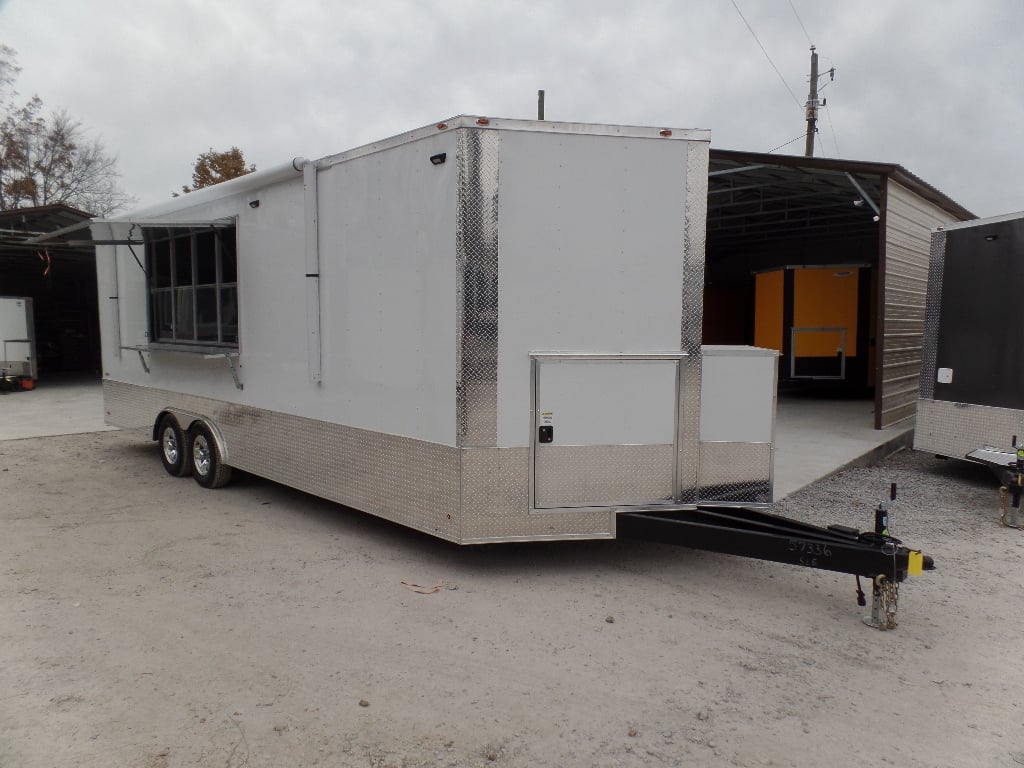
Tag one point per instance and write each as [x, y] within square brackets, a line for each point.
[485, 329]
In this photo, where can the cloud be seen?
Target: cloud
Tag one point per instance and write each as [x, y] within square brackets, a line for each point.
[930, 87]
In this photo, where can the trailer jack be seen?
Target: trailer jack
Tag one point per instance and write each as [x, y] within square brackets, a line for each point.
[754, 533]
[885, 595]
[1008, 467]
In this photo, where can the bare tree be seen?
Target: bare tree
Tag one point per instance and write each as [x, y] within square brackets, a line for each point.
[46, 160]
[9, 70]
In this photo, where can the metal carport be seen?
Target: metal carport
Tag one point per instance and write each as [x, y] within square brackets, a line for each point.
[776, 212]
[60, 279]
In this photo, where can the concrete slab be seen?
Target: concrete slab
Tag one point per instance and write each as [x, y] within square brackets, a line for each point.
[57, 406]
[815, 437]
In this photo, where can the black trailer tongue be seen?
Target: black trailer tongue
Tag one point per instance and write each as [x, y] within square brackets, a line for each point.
[750, 532]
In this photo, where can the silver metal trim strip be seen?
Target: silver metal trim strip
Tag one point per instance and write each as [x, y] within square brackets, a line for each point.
[691, 319]
[932, 314]
[476, 290]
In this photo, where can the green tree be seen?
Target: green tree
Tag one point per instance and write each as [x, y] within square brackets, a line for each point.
[50, 159]
[212, 167]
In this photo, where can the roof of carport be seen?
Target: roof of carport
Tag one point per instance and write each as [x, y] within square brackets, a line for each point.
[19, 225]
[766, 196]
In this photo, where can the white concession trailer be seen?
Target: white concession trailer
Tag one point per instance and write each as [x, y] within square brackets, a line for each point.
[484, 329]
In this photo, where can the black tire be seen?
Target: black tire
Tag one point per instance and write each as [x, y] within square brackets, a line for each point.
[208, 467]
[175, 453]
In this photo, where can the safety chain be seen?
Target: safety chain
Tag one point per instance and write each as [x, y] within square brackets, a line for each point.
[1004, 496]
[889, 595]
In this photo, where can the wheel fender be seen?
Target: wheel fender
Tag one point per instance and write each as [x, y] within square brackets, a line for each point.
[157, 420]
[187, 419]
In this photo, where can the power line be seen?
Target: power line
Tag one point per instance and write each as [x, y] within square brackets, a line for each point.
[828, 114]
[791, 141]
[809, 41]
[795, 99]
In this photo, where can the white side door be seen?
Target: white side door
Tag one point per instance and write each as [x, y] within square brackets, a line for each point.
[605, 430]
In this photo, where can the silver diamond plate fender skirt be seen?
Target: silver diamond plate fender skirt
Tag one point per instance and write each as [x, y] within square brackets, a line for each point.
[468, 496]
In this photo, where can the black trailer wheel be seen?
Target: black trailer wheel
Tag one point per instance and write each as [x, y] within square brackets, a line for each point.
[208, 467]
[174, 448]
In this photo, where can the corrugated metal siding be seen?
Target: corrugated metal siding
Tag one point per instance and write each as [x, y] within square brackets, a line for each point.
[909, 220]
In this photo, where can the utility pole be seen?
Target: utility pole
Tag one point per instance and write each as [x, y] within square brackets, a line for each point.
[812, 106]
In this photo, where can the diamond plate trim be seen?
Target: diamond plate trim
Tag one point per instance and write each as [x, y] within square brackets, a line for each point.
[410, 482]
[477, 288]
[129, 406]
[933, 305]
[736, 472]
[956, 429]
[496, 503]
[603, 475]
[694, 236]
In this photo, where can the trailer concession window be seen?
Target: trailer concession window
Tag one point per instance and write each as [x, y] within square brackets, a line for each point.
[193, 277]
[605, 430]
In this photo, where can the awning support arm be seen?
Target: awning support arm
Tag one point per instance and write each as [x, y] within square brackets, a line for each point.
[142, 359]
[234, 371]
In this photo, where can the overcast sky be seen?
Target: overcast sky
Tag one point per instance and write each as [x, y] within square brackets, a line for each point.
[934, 85]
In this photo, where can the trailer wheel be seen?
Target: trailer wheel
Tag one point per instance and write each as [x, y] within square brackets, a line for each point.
[208, 468]
[174, 448]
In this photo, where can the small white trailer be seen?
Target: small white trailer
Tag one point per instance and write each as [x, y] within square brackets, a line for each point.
[971, 397]
[17, 342]
[485, 329]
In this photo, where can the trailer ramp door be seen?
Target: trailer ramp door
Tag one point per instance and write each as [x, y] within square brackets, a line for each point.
[605, 430]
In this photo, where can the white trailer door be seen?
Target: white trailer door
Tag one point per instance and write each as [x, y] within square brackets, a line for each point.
[605, 430]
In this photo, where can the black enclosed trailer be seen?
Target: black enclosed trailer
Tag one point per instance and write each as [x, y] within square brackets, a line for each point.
[972, 377]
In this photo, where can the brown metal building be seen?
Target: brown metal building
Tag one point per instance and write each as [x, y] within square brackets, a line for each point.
[784, 232]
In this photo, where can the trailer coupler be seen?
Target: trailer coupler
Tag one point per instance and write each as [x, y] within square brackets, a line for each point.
[754, 533]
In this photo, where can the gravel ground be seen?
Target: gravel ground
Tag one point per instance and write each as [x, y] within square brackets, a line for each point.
[148, 623]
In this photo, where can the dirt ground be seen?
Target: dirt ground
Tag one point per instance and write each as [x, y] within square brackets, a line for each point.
[148, 623]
